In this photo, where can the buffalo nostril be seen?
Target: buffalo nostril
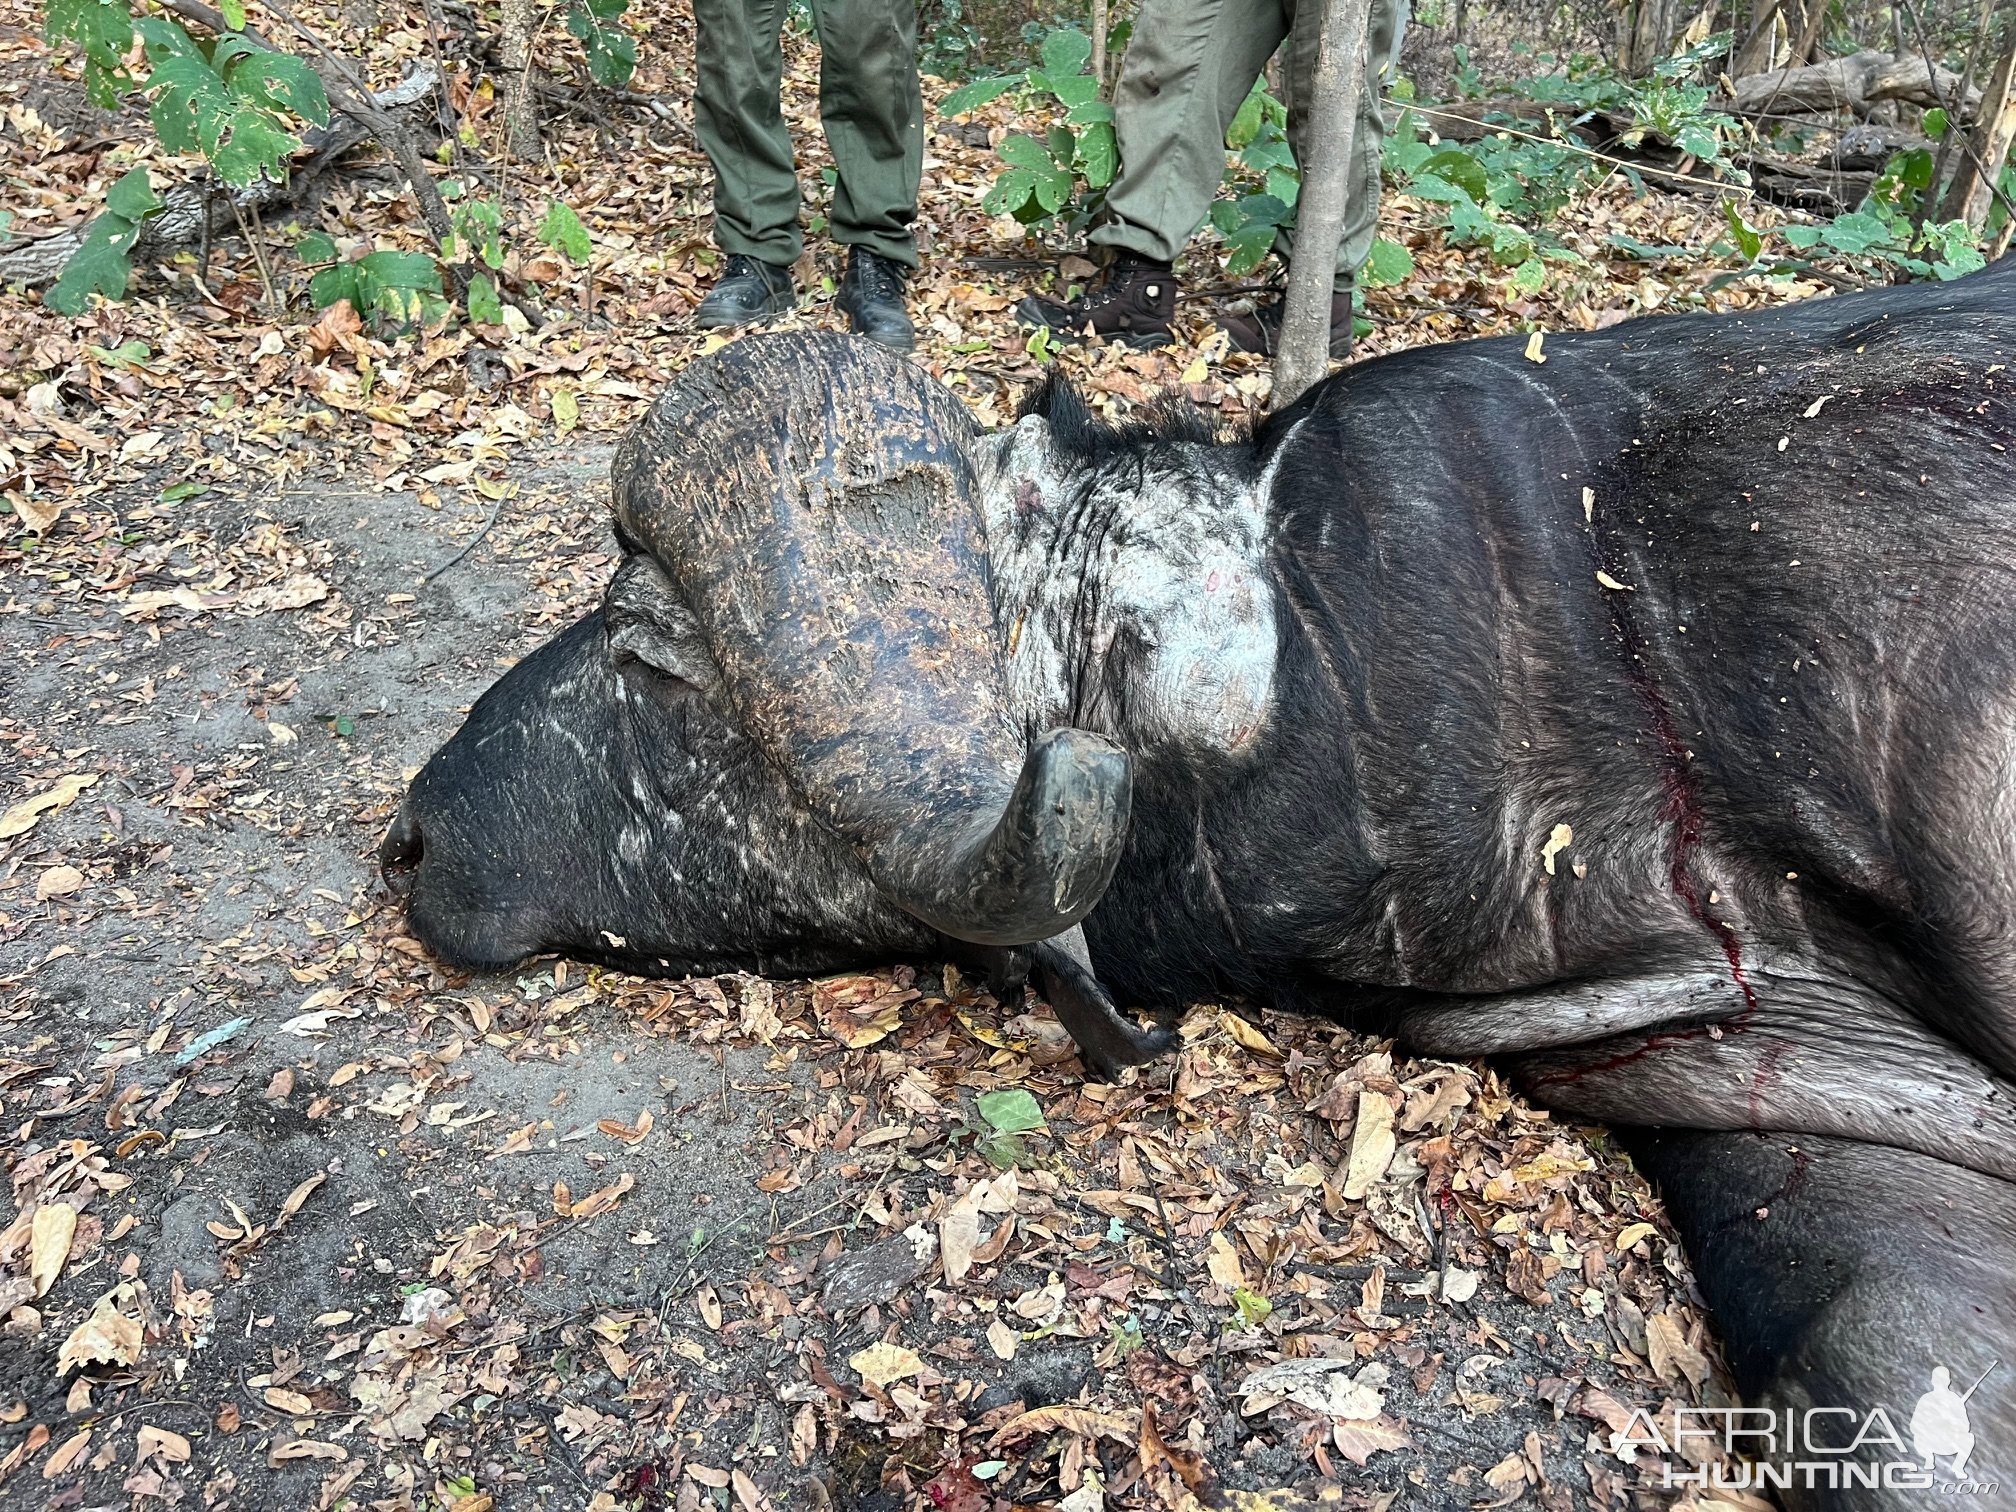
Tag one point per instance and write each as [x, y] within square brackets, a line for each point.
[402, 843]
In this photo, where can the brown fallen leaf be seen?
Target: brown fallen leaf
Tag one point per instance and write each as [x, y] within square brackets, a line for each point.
[301, 1194]
[1436, 1105]
[22, 817]
[883, 1362]
[305, 1449]
[1671, 1355]
[280, 1399]
[160, 1443]
[58, 882]
[1082, 1421]
[859, 1011]
[67, 1454]
[1222, 1261]
[1247, 1035]
[1003, 1340]
[108, 1336]
[1372, 1144]
[53, 1227]
[602, 1199]
[36, 513]
[615, 1128]
[24, 1451]
[1358, 1442]
[959, 1233]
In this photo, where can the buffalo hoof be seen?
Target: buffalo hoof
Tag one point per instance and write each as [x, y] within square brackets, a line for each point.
[1108, 1041]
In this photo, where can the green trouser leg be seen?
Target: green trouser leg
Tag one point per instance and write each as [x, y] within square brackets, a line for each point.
[736, 115]
[1368, 143]
[1189, 65]
[873, 110]
[1188, 68]
[869, 102]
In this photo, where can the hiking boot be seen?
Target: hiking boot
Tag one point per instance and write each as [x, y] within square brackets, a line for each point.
[748, 291]
[1132, 304]
[1261, 331]
[871, 292]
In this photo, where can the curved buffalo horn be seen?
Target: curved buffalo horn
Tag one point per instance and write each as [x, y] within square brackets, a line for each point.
[810, 497]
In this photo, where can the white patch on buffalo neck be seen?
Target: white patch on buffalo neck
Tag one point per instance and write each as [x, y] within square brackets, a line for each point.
[1158, 559]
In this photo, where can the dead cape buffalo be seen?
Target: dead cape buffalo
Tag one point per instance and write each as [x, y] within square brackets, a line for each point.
[1644, 716]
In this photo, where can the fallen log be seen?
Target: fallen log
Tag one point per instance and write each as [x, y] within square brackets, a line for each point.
[1832, 185]
[1857, 83]
[194, 210]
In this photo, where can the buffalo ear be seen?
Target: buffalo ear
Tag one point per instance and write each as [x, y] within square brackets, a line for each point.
[648, 622]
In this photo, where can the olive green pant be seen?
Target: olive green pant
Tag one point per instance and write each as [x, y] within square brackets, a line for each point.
[1189, 66]
[869, 103]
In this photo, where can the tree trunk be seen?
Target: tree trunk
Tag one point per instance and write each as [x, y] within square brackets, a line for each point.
[1985, 145]
[1649, 35]
[1758, 51]
[1101, 22]
[1304, 355]
[1809, 33]
[521, 94]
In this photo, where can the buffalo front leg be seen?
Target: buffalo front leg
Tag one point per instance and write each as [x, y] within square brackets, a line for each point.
[1868, 1291]
[1108, 1040]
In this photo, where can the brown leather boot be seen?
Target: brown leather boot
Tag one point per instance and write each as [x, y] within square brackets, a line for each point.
[1261, 331]
[1133, 303]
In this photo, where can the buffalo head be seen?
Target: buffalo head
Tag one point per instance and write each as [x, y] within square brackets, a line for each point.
[785, 740]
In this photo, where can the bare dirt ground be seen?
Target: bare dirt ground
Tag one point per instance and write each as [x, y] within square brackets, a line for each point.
[341, 1229]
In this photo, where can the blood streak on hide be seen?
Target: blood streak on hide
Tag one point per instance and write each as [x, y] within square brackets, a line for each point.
[1680, 810]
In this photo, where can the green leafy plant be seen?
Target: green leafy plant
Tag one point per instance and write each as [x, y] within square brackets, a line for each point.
[563, 232]
[1874, 235]
[1672, 107]
[102, 264]
[948, 42]
[1008, 1113]
[1261, 178]
[478, 228]
[1250, 1310]
[398, 288]
[1041, 184]
[611, 49]
[230, 101]
[104, 30]
[1475, 190]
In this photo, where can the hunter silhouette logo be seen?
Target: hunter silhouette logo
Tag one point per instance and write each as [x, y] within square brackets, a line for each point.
[1939, 1427]
[1832, 1448]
